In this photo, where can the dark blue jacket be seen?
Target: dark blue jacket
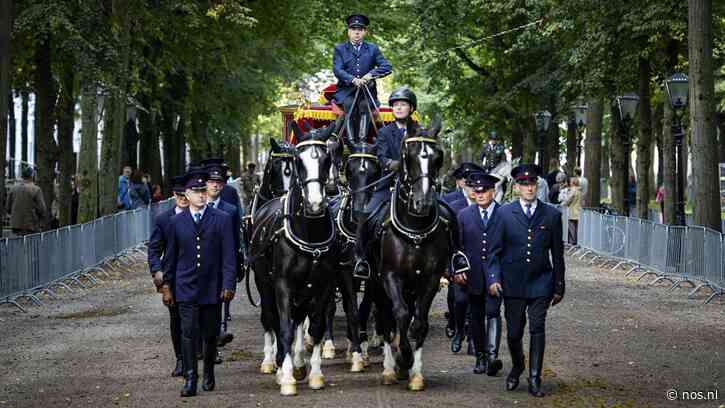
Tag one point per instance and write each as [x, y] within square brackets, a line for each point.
[234, 213]
[477, 241]
[527, 256]
[230, 195]
[387, 146]
[347, 64]
[201, 258]
[454, 196]
[157, 240]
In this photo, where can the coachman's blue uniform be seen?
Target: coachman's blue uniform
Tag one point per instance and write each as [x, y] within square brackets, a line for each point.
[350, 62]
[528, 261]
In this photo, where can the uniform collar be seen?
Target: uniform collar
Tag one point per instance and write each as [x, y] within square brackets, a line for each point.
[533, 205]
[202, 211]
[178, 210]
[488, 210]
[216, 202]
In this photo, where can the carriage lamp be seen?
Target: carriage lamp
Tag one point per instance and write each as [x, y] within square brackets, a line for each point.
[543, 121]
[677, 88]
[580, 118]
[627, 106]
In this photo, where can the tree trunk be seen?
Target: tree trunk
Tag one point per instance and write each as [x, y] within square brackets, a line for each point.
[150, 154]
[668, 151]
[6, 19]
[232, 156]
[88, 157]
[644, 143]
[517, 137]
[174, 145]
[246, 146]
[618, 161]
[12, 128]
[571, 146]
[46, 150]
[657, 129]
[66, 122]
[24, 97]
[721, 135]
[702, 115]
[593, 153]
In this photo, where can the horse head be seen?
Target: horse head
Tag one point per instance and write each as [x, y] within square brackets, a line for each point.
[361, 169]
[279, 169]
[421, 159]
[312, 166]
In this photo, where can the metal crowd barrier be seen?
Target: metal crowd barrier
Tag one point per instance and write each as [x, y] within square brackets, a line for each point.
[72, 256]
[676, 254]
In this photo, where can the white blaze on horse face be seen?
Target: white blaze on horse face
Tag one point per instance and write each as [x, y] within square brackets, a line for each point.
[287, 175]
[315, 190]
[299, 346]
[425, 156]
[417, 368]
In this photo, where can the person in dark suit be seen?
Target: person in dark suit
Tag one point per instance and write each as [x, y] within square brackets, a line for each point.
[214, 187]
[356, 64]
[460, 174]
[229, 193]
[527, 267]
[476, 223]
[156, 251]
[201, 269]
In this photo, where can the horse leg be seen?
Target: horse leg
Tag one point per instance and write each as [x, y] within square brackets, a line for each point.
[328, 349]
[308, 338]
[299, 371]
[267, 316]
[401, 313]
[349, 298]
[316, 380]
[385, 325]
[419, 331]
[285, 378]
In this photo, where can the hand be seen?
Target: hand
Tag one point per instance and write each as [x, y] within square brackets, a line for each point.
[358, 82]
[394, 165]
[368, 77]
[495, 289]
[158, 279]
[166, 295]
[227, 295]
[556, 299]
[460, 278]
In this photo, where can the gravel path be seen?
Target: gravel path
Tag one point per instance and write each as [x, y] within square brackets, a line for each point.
[613, 342]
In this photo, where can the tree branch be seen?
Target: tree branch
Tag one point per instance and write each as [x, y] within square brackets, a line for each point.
[468, 61]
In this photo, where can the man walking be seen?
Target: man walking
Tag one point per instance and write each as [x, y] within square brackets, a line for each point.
[26, 206]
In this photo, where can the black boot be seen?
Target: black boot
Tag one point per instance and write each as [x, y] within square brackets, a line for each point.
[188, 350]
[518, 365]
[179, 369]
[471, 351]
[175, 328]
[536, 363]
[456, 343]
[493, 333]
[210, 355]
[481, 362]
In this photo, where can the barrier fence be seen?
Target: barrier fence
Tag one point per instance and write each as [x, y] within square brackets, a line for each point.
[73, 255]
[677, 254]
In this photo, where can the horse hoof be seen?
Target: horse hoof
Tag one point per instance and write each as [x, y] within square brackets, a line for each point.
[299, 373]
[416, 383]
[358, 364]
[328, 350]
[267, 368]
[366, 362]
[389, 379]
[288, 389]
[317, 382]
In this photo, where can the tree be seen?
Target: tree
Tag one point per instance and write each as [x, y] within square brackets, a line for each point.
[88, 156]
[644, 142]
[706, 202]
[593, 152]
[6, 18]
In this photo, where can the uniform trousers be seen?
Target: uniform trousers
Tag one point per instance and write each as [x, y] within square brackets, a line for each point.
[483, 306]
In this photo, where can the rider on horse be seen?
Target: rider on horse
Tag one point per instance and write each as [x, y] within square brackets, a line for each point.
[493, 153]
[357, 64]
[388, 142]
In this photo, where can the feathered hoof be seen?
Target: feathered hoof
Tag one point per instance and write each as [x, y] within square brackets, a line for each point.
[328, 350]
[389, 379]
[358, 364]
[288, 390]
[309, 344]
[317, 382]
[299, 373]
[268, 368]
[416, 383]
[366, 361]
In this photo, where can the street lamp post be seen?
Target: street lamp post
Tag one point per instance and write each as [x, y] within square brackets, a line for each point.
[580, 118]
[677, 91]
[627, 106]
[543, 121]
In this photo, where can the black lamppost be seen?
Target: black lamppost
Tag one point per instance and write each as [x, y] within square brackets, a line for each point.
[627, 106]
[677, 90]
[580, 118]
[543, 121]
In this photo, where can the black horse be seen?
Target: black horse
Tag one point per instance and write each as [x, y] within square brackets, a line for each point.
[411, 255]
[277, 176]
[361, 170]
[296, 235]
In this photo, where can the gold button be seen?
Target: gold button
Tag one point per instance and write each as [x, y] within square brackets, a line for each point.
[198, 247]
[484, 241]
[528, 252]
[483, 257]
[529, 229]
[484, 234]
[198, 256]
[198, 265]
[528, 245]
[198, 238]
[528, 260]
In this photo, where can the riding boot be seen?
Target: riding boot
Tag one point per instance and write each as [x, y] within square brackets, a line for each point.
[200, 348]
[481, 362]
[471, 351]
[190, 366]
[536, 362]
[175, 327]
[469, 335]
[210, 355]
[456, 343]
[493, 333]
[517, 366]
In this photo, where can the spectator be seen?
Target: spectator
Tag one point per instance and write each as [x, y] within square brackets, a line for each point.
[147, 181]
[156, 194]
[573, 203]
[26, 206]
[583, 182]
[250, 180]
[660, 198]
[138, 192]
[542, 193]
[560, 181]
[122, 201]
[74, 200]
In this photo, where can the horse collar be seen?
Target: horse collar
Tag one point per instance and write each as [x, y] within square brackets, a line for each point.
[349, 236]
[417, 236]
[313, 248]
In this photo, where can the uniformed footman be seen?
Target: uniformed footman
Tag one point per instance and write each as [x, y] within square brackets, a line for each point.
[527, 265]
[201, 268]
[477, 224]
[156, 257]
